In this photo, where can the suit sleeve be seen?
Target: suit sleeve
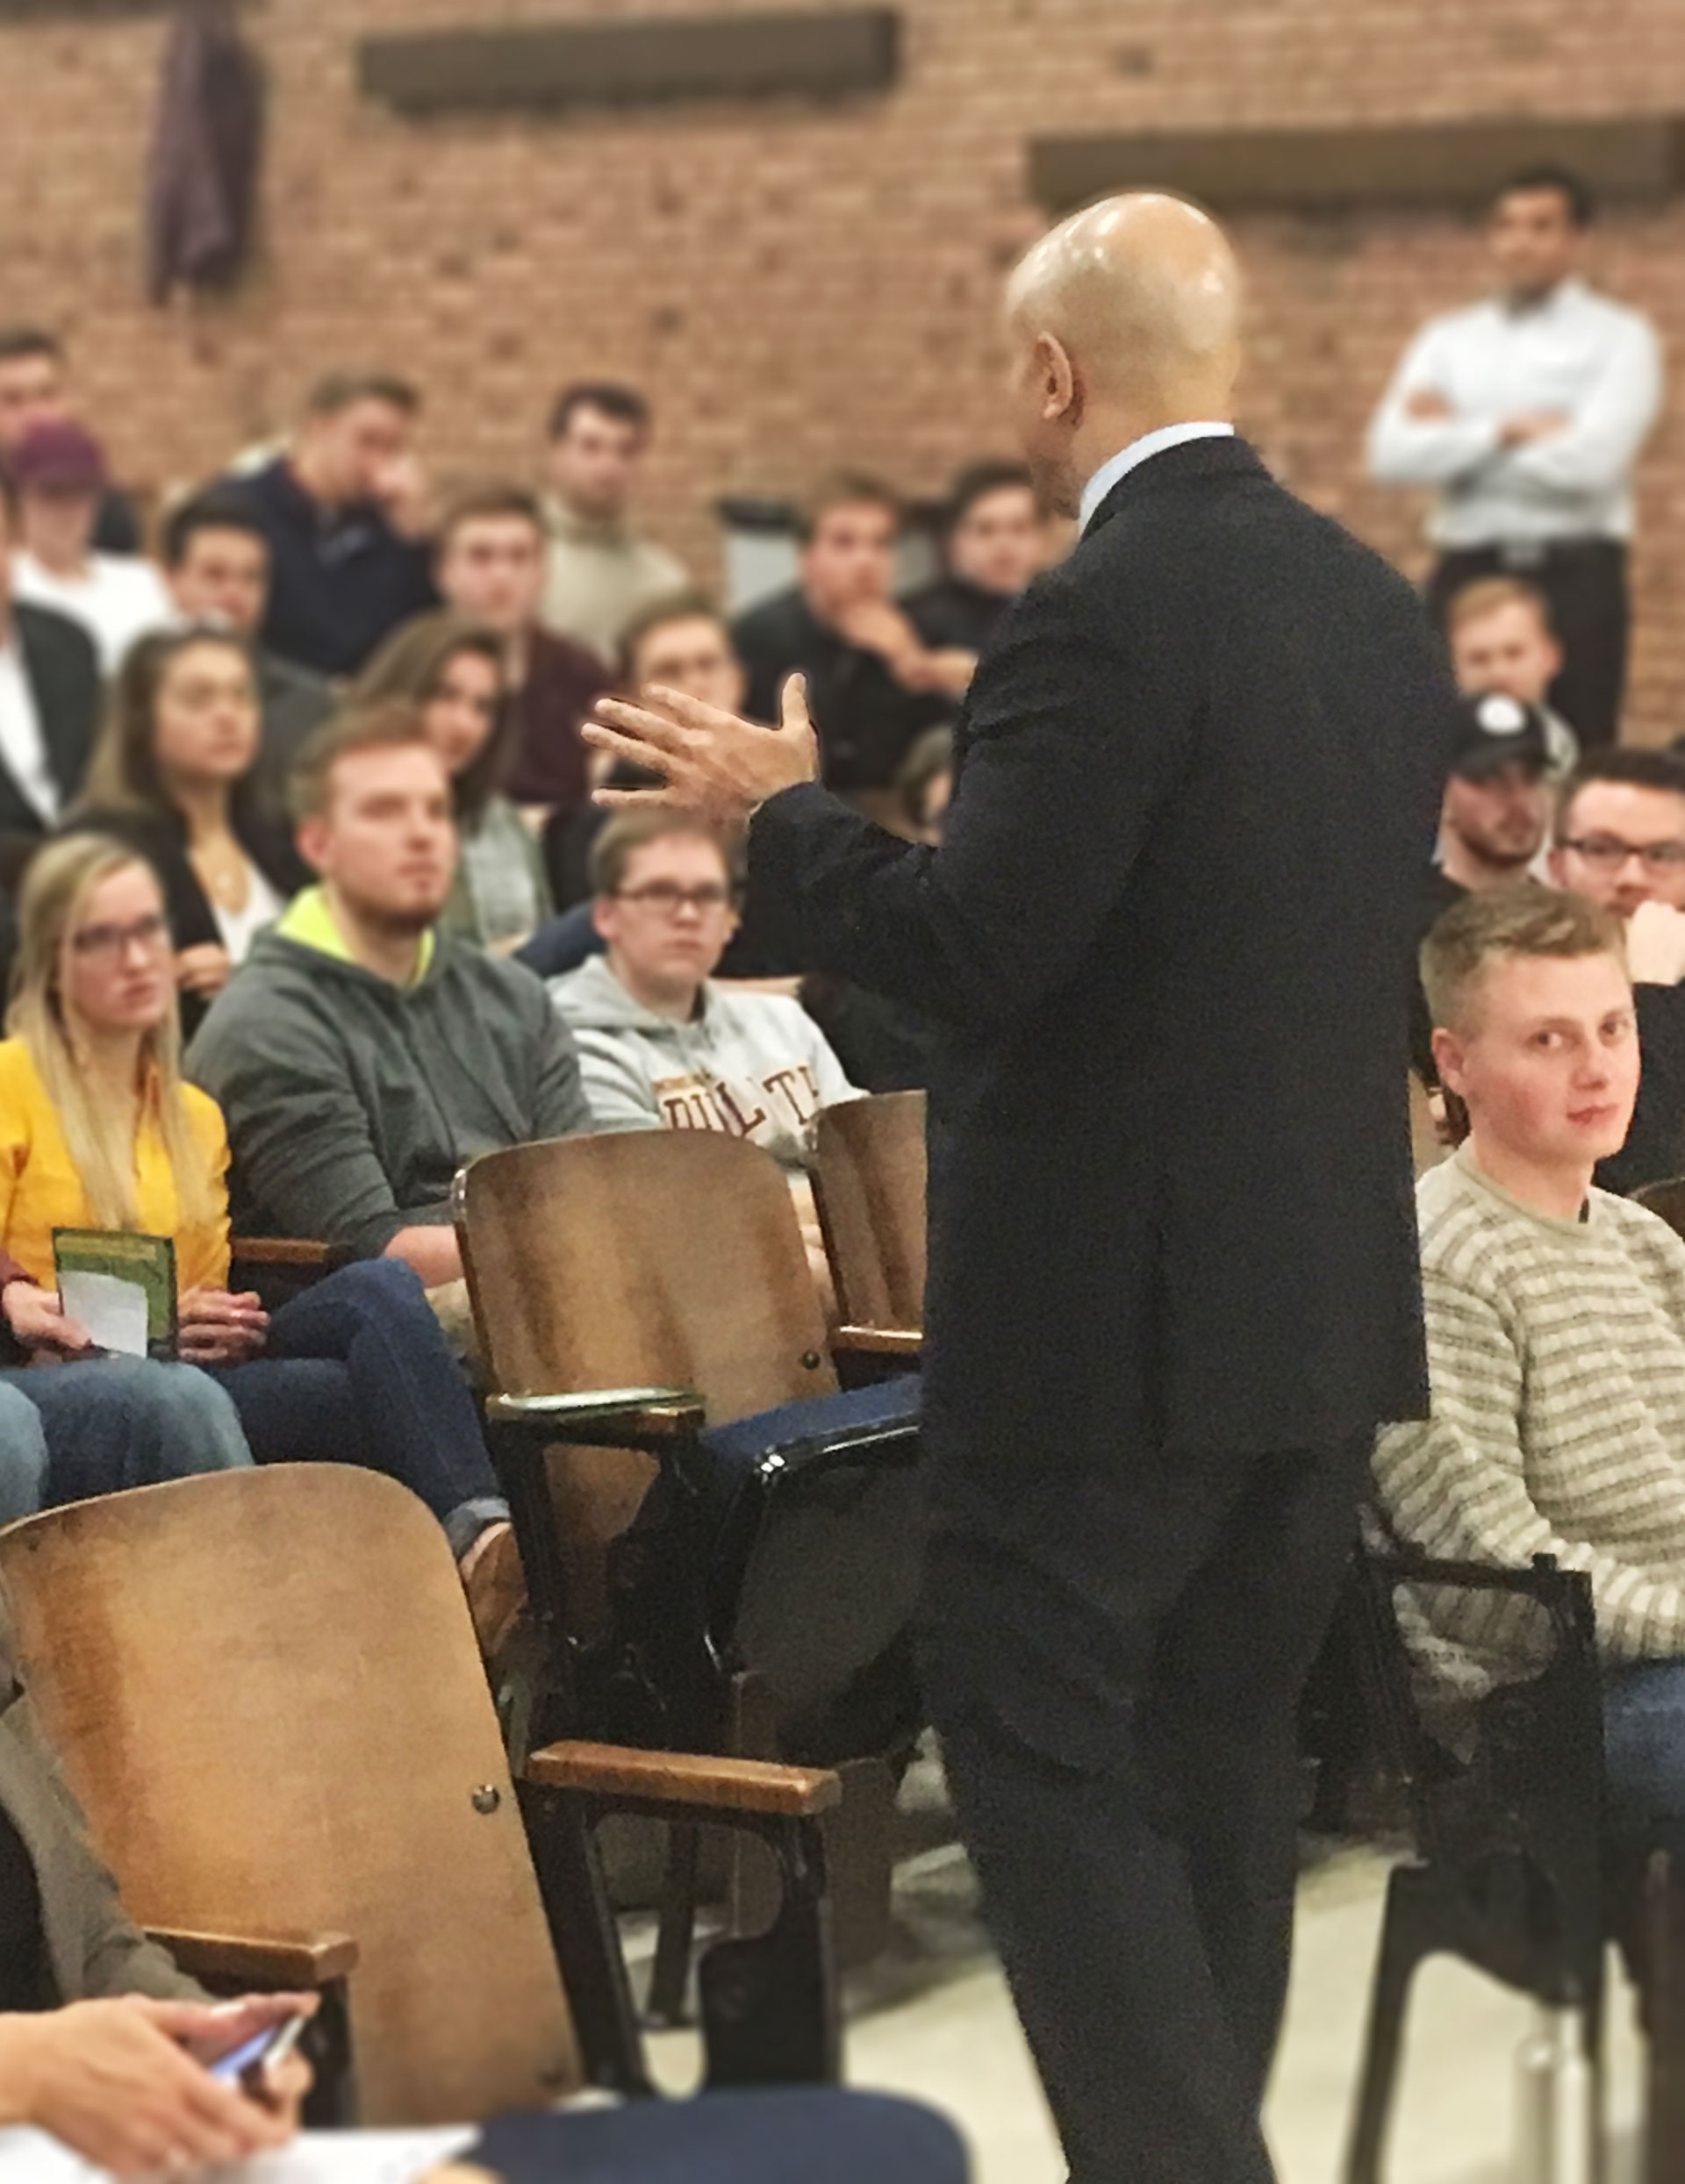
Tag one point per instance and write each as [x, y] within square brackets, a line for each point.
[1072, 743]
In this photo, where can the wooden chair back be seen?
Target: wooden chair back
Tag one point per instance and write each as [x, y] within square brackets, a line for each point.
[869, 1179]
[264, 1688]
[666, 1258]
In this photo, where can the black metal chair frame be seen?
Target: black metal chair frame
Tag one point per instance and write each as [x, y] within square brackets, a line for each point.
[1508, 1870]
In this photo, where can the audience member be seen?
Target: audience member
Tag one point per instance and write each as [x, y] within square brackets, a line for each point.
[35, 390]
[1500, 638]
[452, 670]
[491, 568]
[1527, 411]
[216, 557]
[1620, 830]
[872, 686]
[926, 782]
[1556, 1333]
[49, 708]
[99, 1131]
[362, 1057]
[175, 775]
[599, 572]
[992, 546]
[344, 512]
[1497, 802]
[661, 1044]
[59, 472]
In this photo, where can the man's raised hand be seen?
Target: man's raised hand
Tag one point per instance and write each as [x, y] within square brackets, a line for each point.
[710, 761]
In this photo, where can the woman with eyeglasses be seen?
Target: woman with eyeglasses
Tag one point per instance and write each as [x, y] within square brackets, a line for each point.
[454, 669]
[173, 776]
[98, 1130]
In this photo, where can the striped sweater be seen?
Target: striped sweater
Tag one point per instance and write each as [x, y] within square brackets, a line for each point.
[1557, 1353]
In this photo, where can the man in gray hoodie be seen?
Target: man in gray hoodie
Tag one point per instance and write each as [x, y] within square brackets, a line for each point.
[361, 1055]
[660, 1044]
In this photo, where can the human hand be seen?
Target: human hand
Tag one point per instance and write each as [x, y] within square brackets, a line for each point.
[115, 2083]
[879, 625]
[1655, 945]
[38, 1320]
[710, 761]
[948, 670]
[1426, 407]
[204, 969]
[214, 1327]
[1519, 432]
[401, 489]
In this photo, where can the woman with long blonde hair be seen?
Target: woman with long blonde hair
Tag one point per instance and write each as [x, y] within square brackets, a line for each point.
[99, 1130]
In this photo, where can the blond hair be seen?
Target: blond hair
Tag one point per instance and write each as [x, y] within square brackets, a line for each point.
[1485, 595]
[55, 891]
[1509, 922]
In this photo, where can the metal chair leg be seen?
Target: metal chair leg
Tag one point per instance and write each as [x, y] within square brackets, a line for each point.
[1404, 1944]
[671, 1976]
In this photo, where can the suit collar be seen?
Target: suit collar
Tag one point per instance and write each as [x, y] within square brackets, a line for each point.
[1227, 457]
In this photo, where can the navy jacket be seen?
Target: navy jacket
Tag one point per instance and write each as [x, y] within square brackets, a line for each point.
[1168, 931]
[339, 581]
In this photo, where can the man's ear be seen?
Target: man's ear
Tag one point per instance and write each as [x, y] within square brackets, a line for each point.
[1061, 390]
[1450, 1059]
[602, 916]
[311, 837]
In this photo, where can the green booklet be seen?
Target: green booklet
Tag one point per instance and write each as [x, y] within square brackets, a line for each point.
[121, 1286]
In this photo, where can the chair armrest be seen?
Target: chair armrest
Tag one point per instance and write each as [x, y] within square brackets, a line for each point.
[280, 1251]
[607, 1413]
[261, 1961]
[690, 1780]
[880, 1342]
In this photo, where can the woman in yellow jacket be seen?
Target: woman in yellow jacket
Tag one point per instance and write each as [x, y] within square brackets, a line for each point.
[98, 1130]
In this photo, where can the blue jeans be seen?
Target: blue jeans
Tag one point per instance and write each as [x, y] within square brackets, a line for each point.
[356, 1371]
[70, 1431]
[1643, 1746]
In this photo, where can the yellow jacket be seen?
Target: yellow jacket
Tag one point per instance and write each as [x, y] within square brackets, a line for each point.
[40, 1191]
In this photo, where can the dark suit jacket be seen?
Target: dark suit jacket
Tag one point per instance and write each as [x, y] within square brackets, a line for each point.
[63, 673]
[1169, 930]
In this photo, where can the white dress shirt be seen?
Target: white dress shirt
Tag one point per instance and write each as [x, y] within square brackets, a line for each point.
[1576, 353]
[22, 747]
[118, 598]
[1136, 454]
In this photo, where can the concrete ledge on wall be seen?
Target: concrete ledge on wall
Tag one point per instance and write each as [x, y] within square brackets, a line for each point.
[1633, 157]
[824, 53]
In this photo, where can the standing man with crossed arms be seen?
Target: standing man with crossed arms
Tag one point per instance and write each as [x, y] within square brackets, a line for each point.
[1173, 1273]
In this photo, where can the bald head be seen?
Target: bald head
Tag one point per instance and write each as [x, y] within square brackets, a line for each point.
[1124, 317]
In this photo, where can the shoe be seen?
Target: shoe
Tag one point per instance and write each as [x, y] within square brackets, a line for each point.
[496, 1585]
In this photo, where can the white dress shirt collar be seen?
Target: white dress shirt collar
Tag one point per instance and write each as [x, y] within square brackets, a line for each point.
[1138, 452]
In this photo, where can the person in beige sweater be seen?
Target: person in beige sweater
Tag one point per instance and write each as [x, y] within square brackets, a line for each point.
[1556, 1331]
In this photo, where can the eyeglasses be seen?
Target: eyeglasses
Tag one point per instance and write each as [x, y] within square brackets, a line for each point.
[670, 899]
[1608, 853]
[109, 943]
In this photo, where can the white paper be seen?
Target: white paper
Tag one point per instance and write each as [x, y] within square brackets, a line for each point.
[29, 2157]
[113, 1311]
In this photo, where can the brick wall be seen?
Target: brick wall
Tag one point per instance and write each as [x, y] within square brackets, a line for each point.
[798, 287]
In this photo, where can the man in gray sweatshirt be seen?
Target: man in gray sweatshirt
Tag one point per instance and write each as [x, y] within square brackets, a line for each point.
[361, 1055]
[660, 1044]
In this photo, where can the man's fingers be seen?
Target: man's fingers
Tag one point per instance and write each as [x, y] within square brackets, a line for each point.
[625, 746]
[792, 704]
[643, 726]
[667, 798]
[691, 713]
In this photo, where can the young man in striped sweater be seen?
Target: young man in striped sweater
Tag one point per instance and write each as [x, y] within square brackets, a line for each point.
[1556, 1329]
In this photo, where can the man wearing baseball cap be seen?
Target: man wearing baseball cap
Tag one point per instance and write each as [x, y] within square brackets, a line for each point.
[58, 470]
[1497, 803]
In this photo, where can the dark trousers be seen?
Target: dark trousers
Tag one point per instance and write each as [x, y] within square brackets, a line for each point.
[357, 1372]
[1124, 1766]
[1585, 582]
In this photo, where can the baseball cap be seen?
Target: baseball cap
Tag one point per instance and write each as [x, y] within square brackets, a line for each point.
[1493, 729]
[56, 456]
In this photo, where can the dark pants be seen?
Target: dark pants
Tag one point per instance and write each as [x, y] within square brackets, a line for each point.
[1124, 1766]
[1585, 582]
[357, 1372]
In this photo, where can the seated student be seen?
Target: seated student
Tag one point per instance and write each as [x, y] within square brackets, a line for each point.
[174, 774]
[36, 389]
[452, 670]
[490, 568]
[59, 471]
[216, 558]
[991, 547]
[49, 708]
[361, 1055]
[97, 1131]
[662, 1045]
[1556, 1330]
[1502, 638]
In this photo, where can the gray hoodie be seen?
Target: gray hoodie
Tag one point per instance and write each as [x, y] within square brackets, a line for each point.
[754, 1065]
[351, 1102]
